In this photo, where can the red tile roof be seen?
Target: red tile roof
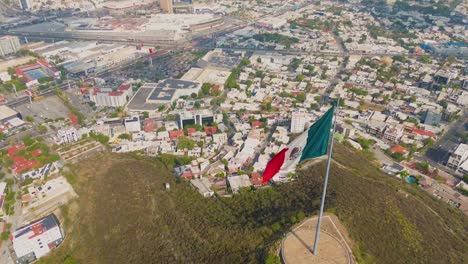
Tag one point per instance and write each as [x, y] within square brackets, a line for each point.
[124, 87]
[210, 130]
[115, 93]
[215, 88]
[423, 132]
[256, 179]
[398, 149]
[257, 124]
[73, 118]
[187, 175]
[149, 125]
[21, 164]
[15, 148]
[191, 131]
[36, 152]
[174, 134]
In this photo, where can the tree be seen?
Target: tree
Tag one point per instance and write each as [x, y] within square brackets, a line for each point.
[272, 259]
[451, 59]
[301, 97]
[5, 235]
[206, 88]
[314, 106]
[70, 260]
[145, 114]
[426, 59]
[259, 60]
[465, 178]
[42, 129]
[185, 143]
[300, 78]
[443, 103]
[197, 105]
[244, 62]
[125, 136]
[365, 143]
[200, 144]
[193, 95]
[423, 167]
[2, 136]
[29, 119]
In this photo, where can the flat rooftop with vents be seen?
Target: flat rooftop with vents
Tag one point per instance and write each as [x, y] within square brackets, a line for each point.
[168, 90]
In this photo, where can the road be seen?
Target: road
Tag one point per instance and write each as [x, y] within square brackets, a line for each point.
[438, 155]
[321, 53]
[264, 144]
[15, 221]
[442, 148]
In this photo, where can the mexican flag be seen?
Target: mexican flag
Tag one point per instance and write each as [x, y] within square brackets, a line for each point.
[311, 144]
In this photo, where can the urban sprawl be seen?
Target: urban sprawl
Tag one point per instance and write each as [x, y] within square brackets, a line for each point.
[221, 86]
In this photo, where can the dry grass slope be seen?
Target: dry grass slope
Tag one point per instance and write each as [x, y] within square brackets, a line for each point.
[394, 222]
[124, 215]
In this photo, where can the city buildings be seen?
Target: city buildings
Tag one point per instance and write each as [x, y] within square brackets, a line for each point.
[203, 186]
[67, 135]
[458, 160]
[432, 118]
[166, 6]
[199, 117]
[238, 182]
[298, 121]
[9, 119]
[25, 4]
[132, 124]
[3, 186]
[9, 45]
[109, 97]
[35, 71]
[42, 199]
[36, 239]
[168, 90]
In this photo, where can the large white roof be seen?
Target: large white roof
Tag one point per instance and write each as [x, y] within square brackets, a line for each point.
[6, 112]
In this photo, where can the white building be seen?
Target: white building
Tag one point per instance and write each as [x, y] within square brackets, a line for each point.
[271, 22]
[203, 186]
[67, 135]
[25, 4]
[220, 139]
[132, 124]
[393, 133]
[238, 182]
[36, 239]
[111, 98]
[298, 121]
[2, 196]
[9, 45]
[459, 159]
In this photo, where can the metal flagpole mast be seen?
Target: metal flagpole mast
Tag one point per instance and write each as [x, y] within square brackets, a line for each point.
[322, 204]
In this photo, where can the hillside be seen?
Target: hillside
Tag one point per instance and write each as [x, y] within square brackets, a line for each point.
[124, 215]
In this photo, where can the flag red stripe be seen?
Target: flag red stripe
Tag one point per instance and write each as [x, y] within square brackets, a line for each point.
[274, 165]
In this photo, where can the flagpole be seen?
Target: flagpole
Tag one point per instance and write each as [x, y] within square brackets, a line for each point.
[322, 204]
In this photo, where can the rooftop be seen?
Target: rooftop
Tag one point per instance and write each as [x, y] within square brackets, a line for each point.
[6, 112]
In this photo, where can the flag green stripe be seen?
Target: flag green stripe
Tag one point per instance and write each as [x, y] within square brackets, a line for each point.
[318, 136]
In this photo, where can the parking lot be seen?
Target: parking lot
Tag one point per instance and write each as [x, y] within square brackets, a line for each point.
[172, 66]
[50, 107]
